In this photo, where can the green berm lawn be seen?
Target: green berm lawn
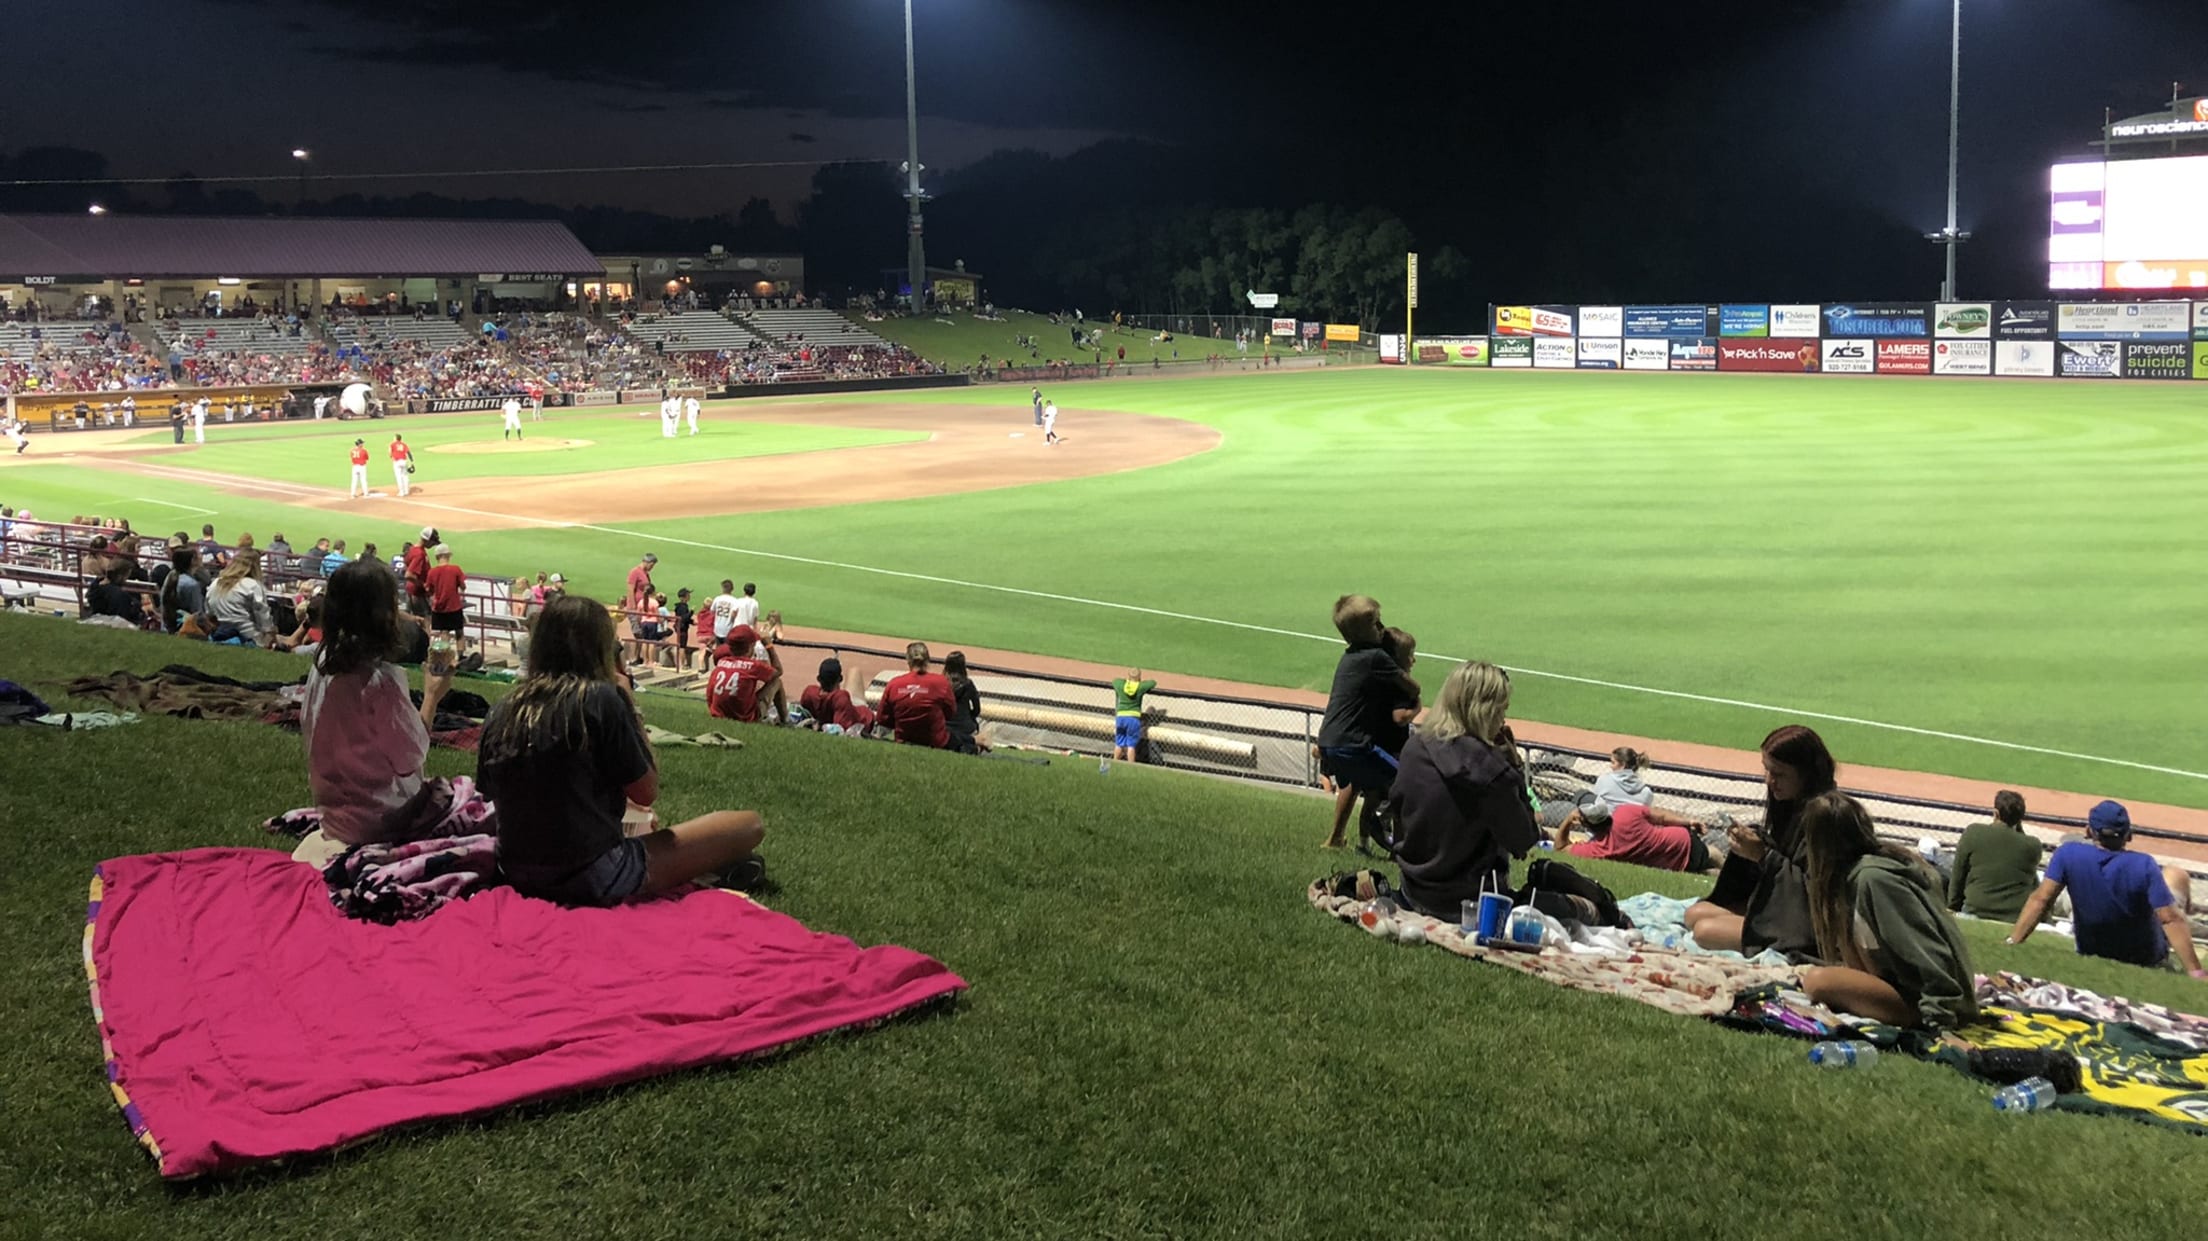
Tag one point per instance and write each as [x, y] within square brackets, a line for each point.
[2014, 561]
[1162, 1039]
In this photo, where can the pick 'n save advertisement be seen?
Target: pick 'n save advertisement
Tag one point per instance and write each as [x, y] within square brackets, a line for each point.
[1850, 357]
[1601, 321]
[1962, 357]
[1740, 320]
[1904, 357]
[1647, 355]
[1699, 354]
[1600, 353]
[1695, 320]
[1554, 352]
[2158, 359]
[1963, 320]
[2024, 321]
[1879, 321]
[2124, 320]
[2091, 359]
[1515, 352]
[1796, 322]
[1796, 356]
[1451, 350]
[2034, 358]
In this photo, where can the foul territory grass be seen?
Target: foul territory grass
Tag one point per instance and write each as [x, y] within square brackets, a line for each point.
[2002, 560]
[1162, 1038]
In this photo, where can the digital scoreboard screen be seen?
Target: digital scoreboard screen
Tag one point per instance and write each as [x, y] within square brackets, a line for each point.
[2129, 225]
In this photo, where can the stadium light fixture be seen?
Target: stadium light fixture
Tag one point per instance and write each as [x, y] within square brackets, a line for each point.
[1952, 236]
[95, 209]
[916, 263]
[301, 153]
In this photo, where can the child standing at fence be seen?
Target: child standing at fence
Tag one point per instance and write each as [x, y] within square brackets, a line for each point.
[1127, 695]
[1369, 687]
[447, 602]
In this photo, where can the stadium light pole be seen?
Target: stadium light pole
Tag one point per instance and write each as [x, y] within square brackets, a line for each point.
[916, 263]
[1952, 236]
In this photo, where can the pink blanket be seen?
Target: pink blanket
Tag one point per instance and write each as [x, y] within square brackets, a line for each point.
[245, 1020]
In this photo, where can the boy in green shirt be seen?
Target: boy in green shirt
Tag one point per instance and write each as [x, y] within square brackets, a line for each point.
[1996, 864]
[1127, 693]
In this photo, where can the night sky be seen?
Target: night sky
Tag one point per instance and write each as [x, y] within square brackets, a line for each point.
[1511, 131]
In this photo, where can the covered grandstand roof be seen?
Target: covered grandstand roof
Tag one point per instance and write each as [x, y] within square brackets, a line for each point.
[82, 248]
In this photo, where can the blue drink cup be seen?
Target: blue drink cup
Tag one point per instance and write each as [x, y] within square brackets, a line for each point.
[1494, 912]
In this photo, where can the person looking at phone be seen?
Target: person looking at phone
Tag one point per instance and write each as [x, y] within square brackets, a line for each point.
[365, 739]
[1761, 898]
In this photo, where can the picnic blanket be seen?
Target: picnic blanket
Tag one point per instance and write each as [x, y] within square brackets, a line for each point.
[2019, 991]
[390, 883]
[245, 1020]
[2124, 1069]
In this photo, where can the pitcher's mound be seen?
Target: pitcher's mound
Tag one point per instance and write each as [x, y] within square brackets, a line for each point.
[535, 444]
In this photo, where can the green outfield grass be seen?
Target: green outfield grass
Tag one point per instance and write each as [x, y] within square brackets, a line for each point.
[2013, 561]
[1161, 1039]
[304, 453]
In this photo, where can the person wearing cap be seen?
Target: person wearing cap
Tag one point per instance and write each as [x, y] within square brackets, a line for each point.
[447, 598]
[1632, 832]
[830, 704]
[741, 680]
[2121, 900]
[417, 572]
[918, 706]
[637, 604]
[359, 486]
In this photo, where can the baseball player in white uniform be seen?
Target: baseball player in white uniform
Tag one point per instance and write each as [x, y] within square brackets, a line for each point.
[15, 436]
[690, 411]
[512, 410]
[130, 411]
[1050, 422]
[669, 411]
[199, 421]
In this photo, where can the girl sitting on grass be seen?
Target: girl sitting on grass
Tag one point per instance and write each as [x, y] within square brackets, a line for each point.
[564, 754]
[1896, 955]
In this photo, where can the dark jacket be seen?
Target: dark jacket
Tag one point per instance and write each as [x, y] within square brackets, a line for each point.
[1772, 895]
[1464, 816]
[1910, 940]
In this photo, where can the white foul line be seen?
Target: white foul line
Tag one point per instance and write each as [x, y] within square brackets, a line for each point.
[189, 508]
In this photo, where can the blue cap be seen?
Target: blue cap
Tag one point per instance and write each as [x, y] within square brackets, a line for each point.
[2109, 819]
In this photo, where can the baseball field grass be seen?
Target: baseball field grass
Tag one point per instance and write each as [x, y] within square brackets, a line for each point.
[1162, 1038]
[1996, 579]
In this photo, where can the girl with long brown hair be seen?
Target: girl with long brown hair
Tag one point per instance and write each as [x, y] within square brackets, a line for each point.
[1892, 952]
[564, 754]
[1760, 899]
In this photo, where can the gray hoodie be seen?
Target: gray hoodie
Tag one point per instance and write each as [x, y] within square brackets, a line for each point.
[1623, 788]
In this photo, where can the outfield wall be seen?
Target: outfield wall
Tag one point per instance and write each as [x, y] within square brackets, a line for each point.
[2157, 340]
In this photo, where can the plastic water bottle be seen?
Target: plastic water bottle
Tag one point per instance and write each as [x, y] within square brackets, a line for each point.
[1104, 766]
[1847, 1054]
[2033, 1094]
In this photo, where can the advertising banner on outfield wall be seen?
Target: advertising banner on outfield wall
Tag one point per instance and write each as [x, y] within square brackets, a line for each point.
[2200, 320]
[2200, 359]
[2091, 359]
[2024, 321]
[1343, 332]
[1735, 320]
[1554, 352]
[1879, 321]
[1696, 320]
[2024, 358]
[1905, 357]
[1849, 357]
[1602, 353]
[1284, 327]
[2158, 359]
[1647, 355]
[1963, 321]
[1796, 356]
[1533, 321]
[1391, 347]
[1601, 321]
[1962, 357]
[1510, 351]
[2124, 320]
[1699, 354]
[1797, 322]
[1452, 350]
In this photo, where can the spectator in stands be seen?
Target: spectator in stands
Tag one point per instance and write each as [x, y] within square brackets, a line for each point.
[1894, 955]
[740, 679]
[654, 628]
[2122, 901]
[831, 706]
[918, 706]
[111, 595]
[965, 721]
[686, 620]
[278, 557]
[212, 558]
[335, 558]
[638, 602]
[365, 738]
[1642, 835]
[180, 595]
[417, 572]
[310, 564]
[448, 598]
[306, 636]
[1623, 785]
[564, 753]
[1461, 795]
[1368, 687]
[747, 608]
[239, 599]
[1996, 864]
[1761, 898]
[723, 609]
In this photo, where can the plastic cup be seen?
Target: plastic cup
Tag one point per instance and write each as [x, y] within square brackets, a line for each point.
[1526, 927]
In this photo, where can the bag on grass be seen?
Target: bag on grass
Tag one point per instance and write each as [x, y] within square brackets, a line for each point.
[1550, 876]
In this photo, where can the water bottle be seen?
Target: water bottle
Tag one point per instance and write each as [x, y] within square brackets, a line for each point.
[1847, 1054]
[1104, 766]
[2033, 1094]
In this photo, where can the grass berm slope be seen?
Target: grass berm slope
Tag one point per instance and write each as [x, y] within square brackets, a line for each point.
[1162, 1039]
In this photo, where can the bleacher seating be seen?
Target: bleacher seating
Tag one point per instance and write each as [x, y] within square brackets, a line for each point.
[260, 336]
[60, 336]
[433, 333]
[817, 327]
[690, 332]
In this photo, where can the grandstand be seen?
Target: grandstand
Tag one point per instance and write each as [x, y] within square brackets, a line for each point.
[434, 332]
[811, 327]
[254, 335]
[691, 332]
[67, 336]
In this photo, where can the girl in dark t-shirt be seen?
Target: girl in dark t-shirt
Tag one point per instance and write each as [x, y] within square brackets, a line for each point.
[565, 754]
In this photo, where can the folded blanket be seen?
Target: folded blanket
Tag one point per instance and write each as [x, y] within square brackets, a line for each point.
[388, 883]
[2124, 1069]
[245, 1020]
[2018, 991]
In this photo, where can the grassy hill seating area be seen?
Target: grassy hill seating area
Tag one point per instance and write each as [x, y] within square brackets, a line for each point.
[1161, 1037]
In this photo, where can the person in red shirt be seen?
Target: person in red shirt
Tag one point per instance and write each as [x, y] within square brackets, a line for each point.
[918, 705]
[740, 679]
[1642, 835]
[359, 486]
[417, 572]
[402, 465]
[447, 603]
[639, 605]
[829, 703]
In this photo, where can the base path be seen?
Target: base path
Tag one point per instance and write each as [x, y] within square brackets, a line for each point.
[968, 448]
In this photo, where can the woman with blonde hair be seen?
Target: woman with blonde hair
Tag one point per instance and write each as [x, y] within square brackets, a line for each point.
[238, 598]
[1894, 955]
[1461, 795]
[564, 754]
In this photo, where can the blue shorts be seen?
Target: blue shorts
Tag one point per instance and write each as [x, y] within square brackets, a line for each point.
[1127, 731]
[608, 879]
